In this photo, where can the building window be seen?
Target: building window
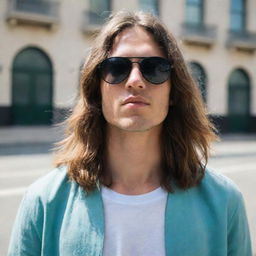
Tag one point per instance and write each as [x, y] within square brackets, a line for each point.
[239, 101]
[199, 75]
[34, 6]
[238, 14]
[239, 90]
[149, 6]
[194, 12]
[32, 88]
[99, 11]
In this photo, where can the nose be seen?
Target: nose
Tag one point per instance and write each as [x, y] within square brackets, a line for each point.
[135, 79]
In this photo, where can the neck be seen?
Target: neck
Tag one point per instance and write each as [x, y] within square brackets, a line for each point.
[133, 160]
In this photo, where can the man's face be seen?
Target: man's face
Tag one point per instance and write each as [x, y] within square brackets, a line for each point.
[153, 100]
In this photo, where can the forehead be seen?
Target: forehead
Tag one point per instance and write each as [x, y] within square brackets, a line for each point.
[135, 41]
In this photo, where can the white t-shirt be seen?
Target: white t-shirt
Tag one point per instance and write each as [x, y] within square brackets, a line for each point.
[134, 224]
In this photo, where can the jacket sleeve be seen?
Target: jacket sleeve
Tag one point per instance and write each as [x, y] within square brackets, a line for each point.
[27, 230]
[239, 242]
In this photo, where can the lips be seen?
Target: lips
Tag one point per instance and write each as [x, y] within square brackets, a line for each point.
[135, 100]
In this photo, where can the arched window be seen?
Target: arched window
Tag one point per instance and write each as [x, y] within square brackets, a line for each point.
[238, 15]
[32, 78]
[194, 12]
[149, 6]
[200, 76]
[238, 101]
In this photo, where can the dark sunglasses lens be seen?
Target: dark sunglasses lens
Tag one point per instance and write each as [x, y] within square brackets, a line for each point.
[156, 70]
[115, 70]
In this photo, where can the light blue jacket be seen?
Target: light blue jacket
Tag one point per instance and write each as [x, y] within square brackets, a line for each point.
[56, 217]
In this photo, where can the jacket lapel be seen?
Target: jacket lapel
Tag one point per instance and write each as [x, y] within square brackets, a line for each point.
[95, 211]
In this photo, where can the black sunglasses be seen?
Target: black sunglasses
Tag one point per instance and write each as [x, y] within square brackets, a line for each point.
[115, 70]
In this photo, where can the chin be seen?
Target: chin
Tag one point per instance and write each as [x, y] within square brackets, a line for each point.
[132, 125]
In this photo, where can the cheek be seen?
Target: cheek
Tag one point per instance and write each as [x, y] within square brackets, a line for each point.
[104, 97]
[109, 101]
[163, 103]
[164, 98]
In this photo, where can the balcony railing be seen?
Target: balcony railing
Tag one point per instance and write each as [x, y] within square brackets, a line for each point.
[242, 40]
[92, 21]
[199, 34]
[40, 12]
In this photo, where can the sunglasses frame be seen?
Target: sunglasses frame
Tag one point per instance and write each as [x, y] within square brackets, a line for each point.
[141, 59]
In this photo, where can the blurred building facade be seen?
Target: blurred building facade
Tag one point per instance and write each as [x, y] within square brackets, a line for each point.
[43, 44]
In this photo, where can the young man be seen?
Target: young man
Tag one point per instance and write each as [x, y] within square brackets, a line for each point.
[131, 177]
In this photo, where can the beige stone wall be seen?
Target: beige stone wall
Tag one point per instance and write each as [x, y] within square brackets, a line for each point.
[67, 45]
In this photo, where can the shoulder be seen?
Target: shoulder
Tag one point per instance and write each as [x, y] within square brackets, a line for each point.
[221, 189]
[215, 182]
[50, 186]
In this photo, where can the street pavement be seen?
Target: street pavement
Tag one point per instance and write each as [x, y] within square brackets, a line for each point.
[25, 155]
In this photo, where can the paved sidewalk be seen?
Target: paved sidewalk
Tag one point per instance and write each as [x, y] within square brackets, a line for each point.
[49, 134]
[42, 138]
[235, 145]
[30, 134]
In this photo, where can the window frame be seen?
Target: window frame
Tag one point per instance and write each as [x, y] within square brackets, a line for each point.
[242, 13]
[201, 6]
[97, 17]
[202, 82]
[156, 10]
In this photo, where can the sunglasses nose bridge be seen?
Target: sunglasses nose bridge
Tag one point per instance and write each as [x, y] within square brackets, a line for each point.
[137, 65]
[135, 78]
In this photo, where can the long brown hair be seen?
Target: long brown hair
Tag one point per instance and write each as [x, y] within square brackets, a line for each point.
[187, 132]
